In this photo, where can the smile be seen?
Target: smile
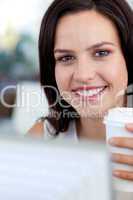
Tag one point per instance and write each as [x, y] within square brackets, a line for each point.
[90, 94]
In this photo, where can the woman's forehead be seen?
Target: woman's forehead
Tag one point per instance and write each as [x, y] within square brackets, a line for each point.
[85, 27]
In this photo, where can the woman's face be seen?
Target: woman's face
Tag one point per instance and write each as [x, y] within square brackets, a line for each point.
[90, 68]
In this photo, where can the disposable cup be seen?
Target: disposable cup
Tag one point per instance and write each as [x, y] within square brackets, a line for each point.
[115, 121]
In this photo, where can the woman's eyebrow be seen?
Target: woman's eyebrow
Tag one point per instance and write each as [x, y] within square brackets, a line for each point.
[98, 45]
[94, 46]
[63, 51]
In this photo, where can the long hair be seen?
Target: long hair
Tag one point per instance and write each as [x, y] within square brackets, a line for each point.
[118, 11]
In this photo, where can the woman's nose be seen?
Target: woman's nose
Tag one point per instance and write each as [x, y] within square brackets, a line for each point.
[84, 72]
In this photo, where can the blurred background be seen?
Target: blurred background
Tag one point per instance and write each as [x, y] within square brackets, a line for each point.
[20, 104]
[20, 91]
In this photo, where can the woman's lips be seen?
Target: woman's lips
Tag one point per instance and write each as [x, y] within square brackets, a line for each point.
[91, 95]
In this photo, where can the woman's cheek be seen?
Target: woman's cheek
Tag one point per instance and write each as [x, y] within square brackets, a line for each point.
[117, 71]
[62, 78]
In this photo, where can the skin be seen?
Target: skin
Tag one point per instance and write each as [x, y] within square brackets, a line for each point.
[92, 57]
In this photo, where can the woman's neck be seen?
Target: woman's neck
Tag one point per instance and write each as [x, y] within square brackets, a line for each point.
[92, 129]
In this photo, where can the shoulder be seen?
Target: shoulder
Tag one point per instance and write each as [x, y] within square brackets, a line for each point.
[37, 129]
[42, 128]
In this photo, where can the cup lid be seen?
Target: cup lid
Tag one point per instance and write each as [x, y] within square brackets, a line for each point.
[119, 115]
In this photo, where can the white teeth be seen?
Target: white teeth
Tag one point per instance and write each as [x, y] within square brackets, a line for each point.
[89, 92]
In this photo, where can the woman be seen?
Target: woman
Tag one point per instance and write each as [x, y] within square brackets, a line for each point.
[85, 51]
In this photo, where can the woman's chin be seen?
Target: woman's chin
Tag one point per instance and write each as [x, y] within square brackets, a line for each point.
[95, 111]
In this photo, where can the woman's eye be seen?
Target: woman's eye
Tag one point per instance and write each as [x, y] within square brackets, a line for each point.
[65, 59]
[102, 53]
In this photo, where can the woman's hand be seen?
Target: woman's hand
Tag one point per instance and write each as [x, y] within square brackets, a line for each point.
[120, 158]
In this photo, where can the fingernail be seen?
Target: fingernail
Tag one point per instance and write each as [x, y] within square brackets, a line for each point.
[116, 173]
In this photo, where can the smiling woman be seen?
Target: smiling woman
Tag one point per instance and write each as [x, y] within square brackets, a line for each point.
[90, 64]
[85, 47]
[85, 52]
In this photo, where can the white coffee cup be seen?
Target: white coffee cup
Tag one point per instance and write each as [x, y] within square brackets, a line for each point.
[115, 122]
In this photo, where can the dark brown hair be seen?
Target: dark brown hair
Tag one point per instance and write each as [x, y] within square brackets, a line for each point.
[118, 11]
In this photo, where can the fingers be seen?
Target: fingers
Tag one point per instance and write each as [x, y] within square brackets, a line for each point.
[123, 174]
[122, 142]
[129, 127]
[123, 159]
